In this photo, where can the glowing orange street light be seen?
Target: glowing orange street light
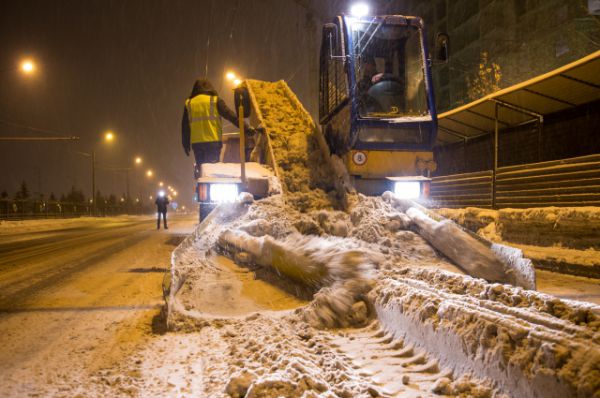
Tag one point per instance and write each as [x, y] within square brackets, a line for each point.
[230, 75]
[28, 67]
[237, 82]
[138, 160]
[160, 184]
[109, 136]
[149, 173]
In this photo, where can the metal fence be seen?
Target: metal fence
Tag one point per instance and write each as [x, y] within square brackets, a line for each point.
[566, 182]
[33, 209]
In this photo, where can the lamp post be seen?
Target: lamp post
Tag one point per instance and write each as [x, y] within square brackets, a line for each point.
[108, 137]
[93, 183]
[92, 156]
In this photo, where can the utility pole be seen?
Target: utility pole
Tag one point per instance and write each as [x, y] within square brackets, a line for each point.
[93, 183]
[127, 184]
[92, 156]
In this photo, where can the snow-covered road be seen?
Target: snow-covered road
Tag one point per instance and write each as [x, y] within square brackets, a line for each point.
[76, 297]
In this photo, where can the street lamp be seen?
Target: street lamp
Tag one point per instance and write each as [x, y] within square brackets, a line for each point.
[160, 184]
[237, 82]
[138, 160]
[230, 76]
[149, 173]
[27, 67]
[108, 137]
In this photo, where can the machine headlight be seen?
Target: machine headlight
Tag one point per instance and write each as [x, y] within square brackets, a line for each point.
[223, 193]
[407, 189]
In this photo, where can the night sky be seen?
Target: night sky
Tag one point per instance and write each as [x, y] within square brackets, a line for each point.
[128, 66]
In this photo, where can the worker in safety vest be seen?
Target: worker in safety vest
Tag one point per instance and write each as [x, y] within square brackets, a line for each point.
[201, 126]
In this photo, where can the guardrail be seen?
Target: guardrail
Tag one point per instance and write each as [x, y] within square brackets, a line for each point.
[33, 209]
[565, 182]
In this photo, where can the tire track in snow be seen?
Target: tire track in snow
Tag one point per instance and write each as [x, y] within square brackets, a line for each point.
[396, 368]
[18, 290]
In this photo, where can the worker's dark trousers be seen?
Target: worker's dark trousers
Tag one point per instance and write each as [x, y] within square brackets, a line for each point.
[207, 152]
[164, 216]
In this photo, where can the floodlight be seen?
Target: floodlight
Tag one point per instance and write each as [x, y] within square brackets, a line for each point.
[359, 10]
[223, 193]
[407, 189]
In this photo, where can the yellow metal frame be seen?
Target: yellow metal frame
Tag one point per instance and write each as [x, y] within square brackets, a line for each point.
[382, 164]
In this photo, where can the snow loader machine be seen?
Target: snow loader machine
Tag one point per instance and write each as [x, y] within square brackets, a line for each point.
[379, 125]
[376, 104]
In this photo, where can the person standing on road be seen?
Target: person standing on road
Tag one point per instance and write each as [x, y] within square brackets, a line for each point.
[161, 209]
[201, 125]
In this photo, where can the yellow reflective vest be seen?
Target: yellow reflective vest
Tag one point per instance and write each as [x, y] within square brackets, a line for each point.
[204, 119]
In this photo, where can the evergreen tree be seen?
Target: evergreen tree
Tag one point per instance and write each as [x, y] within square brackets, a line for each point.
[76, 196]
[99, 198]
[23, 192]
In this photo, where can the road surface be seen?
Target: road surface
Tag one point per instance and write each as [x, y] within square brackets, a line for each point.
[77, 297]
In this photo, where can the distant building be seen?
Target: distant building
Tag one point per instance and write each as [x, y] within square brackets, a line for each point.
[524, 37]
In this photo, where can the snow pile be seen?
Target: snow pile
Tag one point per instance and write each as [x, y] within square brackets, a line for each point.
[516, 338]
[472, 218]
[478, 257]
[565, 239]
[360, 263]
[529, 343]
[572, 227]
[304, 172]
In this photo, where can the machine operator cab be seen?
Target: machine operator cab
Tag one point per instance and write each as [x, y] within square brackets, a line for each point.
[376, 104]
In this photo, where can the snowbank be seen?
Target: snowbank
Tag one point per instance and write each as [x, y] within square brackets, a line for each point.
[558, 239]
[572, 227]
